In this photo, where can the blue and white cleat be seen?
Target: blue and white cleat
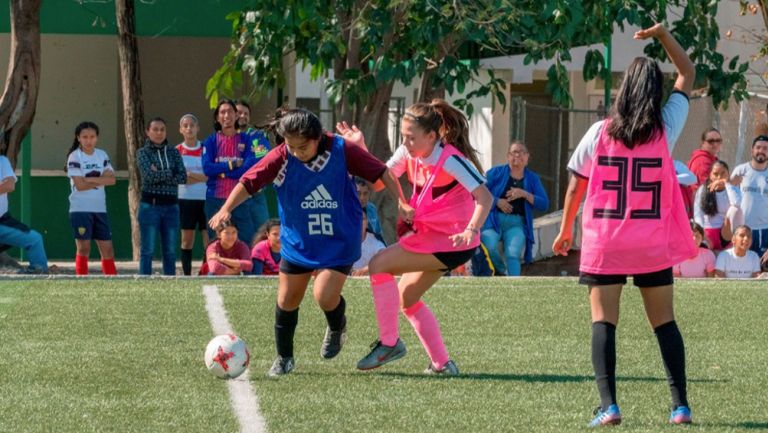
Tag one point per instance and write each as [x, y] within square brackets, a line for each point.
[680, 415]
[610, 416]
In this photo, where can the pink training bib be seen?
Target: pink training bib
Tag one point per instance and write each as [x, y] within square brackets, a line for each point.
[634, 220]
[437, 219]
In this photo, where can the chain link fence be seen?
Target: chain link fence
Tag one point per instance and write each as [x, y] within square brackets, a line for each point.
[552, 133]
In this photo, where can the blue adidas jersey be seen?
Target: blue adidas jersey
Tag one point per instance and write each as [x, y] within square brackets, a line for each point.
[320, 212]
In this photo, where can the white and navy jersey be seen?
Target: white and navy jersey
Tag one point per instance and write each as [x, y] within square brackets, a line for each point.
[80, 164]
[193, 163]
[460, 168]
[320, 214]
[6, 171]
[754, 195]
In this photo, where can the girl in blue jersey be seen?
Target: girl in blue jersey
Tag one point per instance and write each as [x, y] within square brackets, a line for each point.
[320, 216]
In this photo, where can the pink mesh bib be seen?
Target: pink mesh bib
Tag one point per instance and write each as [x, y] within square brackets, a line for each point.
[634, 220]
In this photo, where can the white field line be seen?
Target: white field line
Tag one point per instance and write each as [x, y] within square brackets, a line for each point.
[244, 400]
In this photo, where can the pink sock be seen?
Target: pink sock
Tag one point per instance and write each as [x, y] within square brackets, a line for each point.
[428, 330]
[386, 299]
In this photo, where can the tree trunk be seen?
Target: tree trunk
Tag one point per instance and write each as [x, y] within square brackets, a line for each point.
[133, 108]
[19, 100]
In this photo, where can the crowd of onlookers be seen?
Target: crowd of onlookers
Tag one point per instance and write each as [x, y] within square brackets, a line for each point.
[184, 185]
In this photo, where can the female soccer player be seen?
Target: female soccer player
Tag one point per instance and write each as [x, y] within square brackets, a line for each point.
[634, 221]
[89, 171]
[450, 204]
[320, 218]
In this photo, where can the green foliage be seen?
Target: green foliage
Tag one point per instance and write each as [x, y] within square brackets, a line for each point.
[369, 44]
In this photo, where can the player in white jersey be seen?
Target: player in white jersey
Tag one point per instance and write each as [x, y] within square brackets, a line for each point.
[89, 171]
[191, 194]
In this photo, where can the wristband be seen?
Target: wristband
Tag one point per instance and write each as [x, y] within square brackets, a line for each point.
[473, 230]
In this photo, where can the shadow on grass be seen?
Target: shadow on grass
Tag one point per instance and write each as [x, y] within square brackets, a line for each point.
[749, 425]
[532, 378]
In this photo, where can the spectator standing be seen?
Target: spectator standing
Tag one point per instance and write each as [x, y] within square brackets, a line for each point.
[227, 155]
[191, 194]
[89, 171]
[752, 177]
[701, 162]
[162, 171]
[260, 147]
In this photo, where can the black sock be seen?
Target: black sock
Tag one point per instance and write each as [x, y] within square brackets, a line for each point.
[604, 361]
[673, 355]
[335, 317]
[285, 327]
[186, 261]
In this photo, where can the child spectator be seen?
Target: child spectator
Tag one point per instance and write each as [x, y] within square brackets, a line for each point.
[716, 207]
[369, 209]
[739, 261]
[228, 255]
[191, 194]
[89, 171]
[370, 246]
[701, 265]
[266, 250]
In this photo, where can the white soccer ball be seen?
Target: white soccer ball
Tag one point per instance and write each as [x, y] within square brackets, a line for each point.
[227, 356]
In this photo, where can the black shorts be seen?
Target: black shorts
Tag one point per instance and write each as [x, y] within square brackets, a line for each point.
[90, 225]
[653, 279]
[454, 259]
[287, 267]
[192, 215]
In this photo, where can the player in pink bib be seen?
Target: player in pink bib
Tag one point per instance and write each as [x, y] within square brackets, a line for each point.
[449, 205]
[634, 219]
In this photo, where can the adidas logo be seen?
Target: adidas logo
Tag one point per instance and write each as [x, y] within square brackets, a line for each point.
[319, 199]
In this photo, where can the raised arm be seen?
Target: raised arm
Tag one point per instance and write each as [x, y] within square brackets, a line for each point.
[685, 69]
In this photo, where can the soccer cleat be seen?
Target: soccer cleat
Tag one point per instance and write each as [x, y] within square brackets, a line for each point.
[610, 416]
[680, 415]
[333, 342]
[281, 366]
[449, 369]
[381, 354]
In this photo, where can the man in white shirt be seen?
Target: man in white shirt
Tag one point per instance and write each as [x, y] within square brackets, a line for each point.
[14, 233]
[752, 177]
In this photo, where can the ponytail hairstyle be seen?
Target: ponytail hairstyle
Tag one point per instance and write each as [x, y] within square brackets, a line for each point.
[709, 198]
[271, 126]
[448, 123]
[636, 115]
[299, 122]
[76, 143]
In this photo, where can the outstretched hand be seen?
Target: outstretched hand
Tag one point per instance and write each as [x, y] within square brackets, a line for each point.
[351, 134]
[220, 217]
[655, 31]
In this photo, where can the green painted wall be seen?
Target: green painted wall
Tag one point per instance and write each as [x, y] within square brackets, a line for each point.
[153, 18]
[50, 217]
